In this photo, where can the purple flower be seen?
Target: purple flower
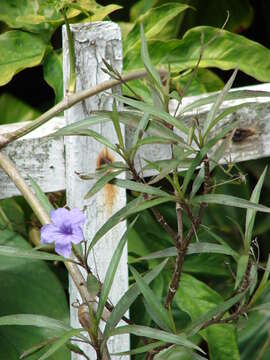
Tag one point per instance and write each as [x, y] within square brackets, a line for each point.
[66, 228]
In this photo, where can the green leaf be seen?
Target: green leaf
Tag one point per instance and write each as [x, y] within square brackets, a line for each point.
[66, 131]
[102, 182]
[154, 334]
[161, 316]
[100, 13]
[263, 284]
[229, 200]
[142, 126]
[14, 110]
[194, 248]
[142, 188]
[43, 295]
[19, 50]
[33, 320]
[202, 153]
[110, 273]
[211, 115]
[41, 196]
[92, 285]
[11, 251]
[129, 297]
[219, 153]
[227, 52]
[53, 73]
[135, 206]
[242, 264]
[153, 74]
[60, 342]
[250, 216]
[154, 21]
[196, 298]
[116, 124]
[141, 349]
[150, 109]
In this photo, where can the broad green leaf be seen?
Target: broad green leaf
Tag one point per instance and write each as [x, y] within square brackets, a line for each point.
[227, 52]
[19, 50]
[33, 320]
[160, 314]
[41, 196]
[154, 21]
[142, 188]
[250, 216]
[100, 13]
[196, 298]
[138, 330]
[14, 110]
[129, 297]
[43, 295]
[53, 73]
[131, 208]
[31, 254]
[194, 248]
[150, 109]
[242, 264]
[229, 200]
[111, 270]
[102, 182]
[215, 107]
[60, 342]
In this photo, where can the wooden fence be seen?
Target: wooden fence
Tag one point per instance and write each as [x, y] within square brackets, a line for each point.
[54, 164]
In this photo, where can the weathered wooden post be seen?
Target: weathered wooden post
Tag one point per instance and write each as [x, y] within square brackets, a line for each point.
[93, 43]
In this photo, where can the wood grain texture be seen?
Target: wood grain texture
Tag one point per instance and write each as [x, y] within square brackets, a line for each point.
[93, 43]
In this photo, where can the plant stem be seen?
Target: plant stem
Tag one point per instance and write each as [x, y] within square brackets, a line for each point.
[68, 101]
[72, 70]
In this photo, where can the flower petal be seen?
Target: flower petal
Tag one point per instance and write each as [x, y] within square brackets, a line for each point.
[63, 249]
[77, 235]
[77, 217]
[60, 216]
[47, 233]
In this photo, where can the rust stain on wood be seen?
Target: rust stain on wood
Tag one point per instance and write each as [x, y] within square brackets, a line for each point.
[104, 158]
[241, 134]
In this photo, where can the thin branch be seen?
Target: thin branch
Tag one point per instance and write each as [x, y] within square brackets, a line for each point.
[67, 102]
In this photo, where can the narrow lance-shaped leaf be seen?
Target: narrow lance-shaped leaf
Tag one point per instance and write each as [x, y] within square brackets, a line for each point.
[32, 254]
[242, 264]
[142, 126]
[213, 163]
[116, 125]
[229, 200]
[161, 316]
[102, 182]
[33, 320]
[110, 273]
[147, 61]
[194, 248]
[133, 207]
[232, 95]
[250, 216]
[41, 196]
[60, 342]
[141, 349]
[203, 152]
[143, 188]
[197, 324]
[263, 284]
[130, 296]
[212, 113]
[152, 333]
[148, 108]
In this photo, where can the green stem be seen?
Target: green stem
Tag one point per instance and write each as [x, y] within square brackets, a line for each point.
[72, 69]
